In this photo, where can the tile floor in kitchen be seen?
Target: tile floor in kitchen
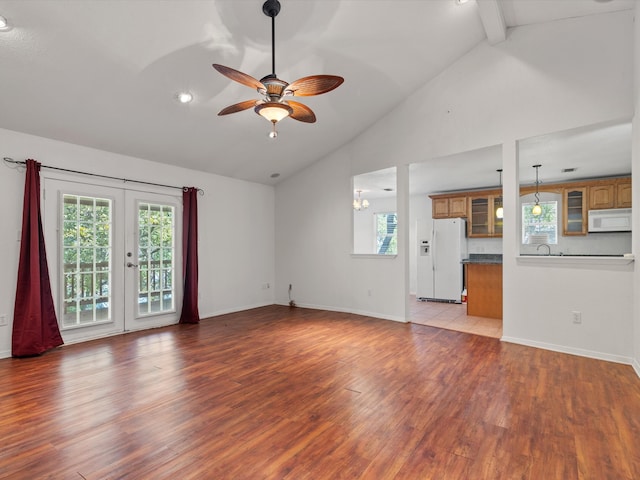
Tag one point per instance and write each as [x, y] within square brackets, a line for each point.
[453, 316]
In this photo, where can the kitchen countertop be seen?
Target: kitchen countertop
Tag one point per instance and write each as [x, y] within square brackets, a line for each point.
[484, 258]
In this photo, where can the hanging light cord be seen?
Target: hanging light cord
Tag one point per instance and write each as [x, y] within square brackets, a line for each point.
[537, 182]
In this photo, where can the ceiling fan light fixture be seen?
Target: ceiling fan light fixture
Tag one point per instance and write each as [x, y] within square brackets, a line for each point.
[4, 24]
[272, 106]
[273, 111]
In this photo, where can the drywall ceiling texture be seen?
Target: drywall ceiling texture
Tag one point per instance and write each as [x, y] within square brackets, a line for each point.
[105, 74]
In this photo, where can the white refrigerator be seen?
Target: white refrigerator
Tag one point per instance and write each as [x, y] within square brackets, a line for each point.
[442, 246]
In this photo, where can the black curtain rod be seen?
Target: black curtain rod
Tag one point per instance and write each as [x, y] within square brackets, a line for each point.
[126, 180]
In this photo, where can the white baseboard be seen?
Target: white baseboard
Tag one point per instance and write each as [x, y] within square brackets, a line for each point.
[348, 310]
[572, 351]
[233, 310]
[377, 315]
[636, 366]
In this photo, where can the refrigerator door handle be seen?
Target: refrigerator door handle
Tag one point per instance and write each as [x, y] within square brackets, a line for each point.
[434, 249]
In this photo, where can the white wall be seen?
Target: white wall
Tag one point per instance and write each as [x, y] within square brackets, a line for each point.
[314, 244]
[635, 158]
[236, 223]
[543, 78]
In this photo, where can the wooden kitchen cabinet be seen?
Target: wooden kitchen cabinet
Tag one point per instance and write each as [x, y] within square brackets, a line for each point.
[449, 207]
[623, 193]
[483, 221]
[484, 290]
[602, 196]
[458, 207]
[574, 212]
[479, 206]
[613, 194]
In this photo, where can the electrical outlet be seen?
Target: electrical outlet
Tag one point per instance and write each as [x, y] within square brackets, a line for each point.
[3, 319]
[577, 316]
[266, 286]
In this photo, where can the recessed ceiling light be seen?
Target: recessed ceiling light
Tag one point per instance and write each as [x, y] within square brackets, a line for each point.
[184, 97]
[4, 24]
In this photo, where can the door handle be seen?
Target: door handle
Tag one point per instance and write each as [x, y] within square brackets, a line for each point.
[132, 265]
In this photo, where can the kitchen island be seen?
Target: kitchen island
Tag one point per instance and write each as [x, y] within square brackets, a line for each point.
[483, 281]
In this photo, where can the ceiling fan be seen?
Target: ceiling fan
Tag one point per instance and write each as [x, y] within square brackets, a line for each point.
[273, 105]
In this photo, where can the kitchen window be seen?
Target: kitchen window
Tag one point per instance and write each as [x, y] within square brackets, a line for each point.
[545, 224]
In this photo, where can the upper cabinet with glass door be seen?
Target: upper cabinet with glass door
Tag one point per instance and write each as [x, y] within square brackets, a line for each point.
[574, 214]
[485, 214]
[464, 185]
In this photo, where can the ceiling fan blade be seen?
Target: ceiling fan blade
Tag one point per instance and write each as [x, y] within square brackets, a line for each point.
[301, 112]
[314, 85]
[238, 107]
[239, 77]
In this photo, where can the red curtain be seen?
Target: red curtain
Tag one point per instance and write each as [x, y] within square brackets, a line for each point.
[190, 255]
[35, 326]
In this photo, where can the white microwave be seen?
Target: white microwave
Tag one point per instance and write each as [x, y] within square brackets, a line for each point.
[610, 220]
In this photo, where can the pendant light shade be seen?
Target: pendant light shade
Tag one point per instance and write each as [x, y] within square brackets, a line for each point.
[536, 210]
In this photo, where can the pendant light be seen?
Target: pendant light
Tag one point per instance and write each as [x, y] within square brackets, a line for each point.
[537, 209]
[500, 210]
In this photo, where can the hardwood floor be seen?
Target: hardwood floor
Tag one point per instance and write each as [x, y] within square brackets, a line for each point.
[280, 393]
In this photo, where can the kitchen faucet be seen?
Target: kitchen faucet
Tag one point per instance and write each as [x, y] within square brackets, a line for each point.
[545, 245]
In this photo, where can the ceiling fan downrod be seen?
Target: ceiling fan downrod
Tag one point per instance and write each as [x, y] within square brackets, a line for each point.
[271, 8]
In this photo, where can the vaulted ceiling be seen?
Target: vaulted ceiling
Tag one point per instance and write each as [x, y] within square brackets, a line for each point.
[105, 74]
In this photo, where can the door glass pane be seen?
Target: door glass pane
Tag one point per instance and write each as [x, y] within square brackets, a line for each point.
[156, 245]
[86, 253]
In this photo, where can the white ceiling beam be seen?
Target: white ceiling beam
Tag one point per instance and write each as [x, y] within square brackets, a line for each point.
[492, 20]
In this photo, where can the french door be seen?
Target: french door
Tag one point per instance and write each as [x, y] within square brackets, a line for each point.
[114, 257]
